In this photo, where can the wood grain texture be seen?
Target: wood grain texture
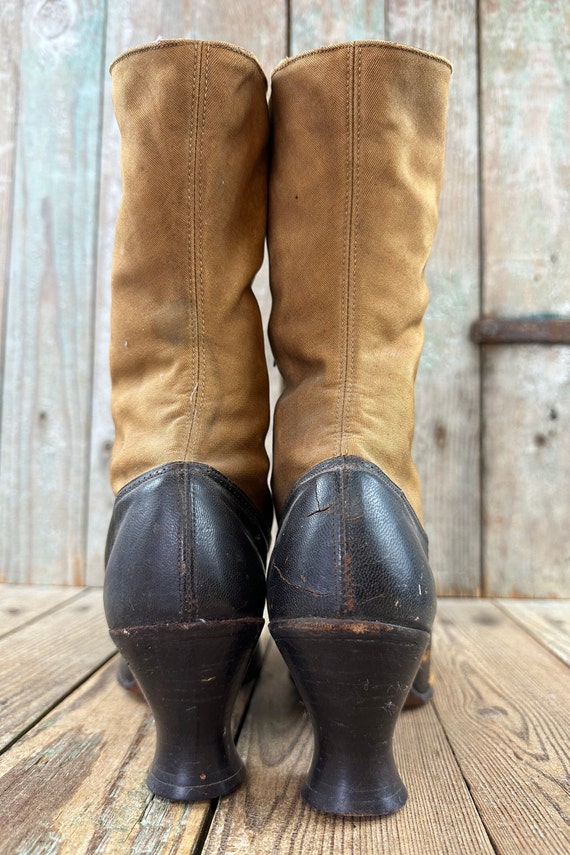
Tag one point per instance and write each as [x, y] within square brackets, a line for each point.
[316, 24]
[261, 28]
[486, 763]
[55, 426]
[527, 471]
[546, 620]
[502, 700]
[48, 347]
[446, 445]
[76, 783]
[44, 660]
[266, 815]
[20, 604]
[525, 125]
[10, 38]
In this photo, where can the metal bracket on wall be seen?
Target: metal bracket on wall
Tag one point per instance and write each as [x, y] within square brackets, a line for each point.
[533, 329]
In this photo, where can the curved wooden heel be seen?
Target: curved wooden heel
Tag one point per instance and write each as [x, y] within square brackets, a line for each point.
[422, 689]
[125, 677]
[190, 675]
[353, 677]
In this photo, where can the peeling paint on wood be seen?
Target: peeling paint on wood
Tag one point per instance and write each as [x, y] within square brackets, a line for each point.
[525, 101]
[527, 471]
[25, 794]
[448, 383]
[9, 85]
[316, 24]
[48, 346]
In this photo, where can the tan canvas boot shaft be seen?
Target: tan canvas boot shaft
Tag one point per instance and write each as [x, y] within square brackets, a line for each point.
[357, 164]
[187, 359]
[184, 588]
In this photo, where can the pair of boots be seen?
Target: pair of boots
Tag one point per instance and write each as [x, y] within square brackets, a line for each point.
[344, 173]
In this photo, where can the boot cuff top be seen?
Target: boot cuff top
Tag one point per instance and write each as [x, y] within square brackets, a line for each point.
[159, 44]
[381, 45]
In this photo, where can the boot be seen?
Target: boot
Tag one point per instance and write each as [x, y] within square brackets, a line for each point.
[357, 161]
[186, 550]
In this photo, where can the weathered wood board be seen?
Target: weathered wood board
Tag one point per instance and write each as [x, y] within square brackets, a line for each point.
[313, 25]
[448, 386]
[546, 620]
[525, 125]
[44, 660]
[527, 471]
[502, 700]
[21, 605]
[507, 174]
[46, 390]
[9, 84]
[486, 763]
[76, 782]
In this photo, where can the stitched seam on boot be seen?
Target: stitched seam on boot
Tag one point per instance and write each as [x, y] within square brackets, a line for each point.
[356, 464]
[192, 248]
[353, 289]
[191, 595]
[183, 43]
[200, 404]
[350, 255]
[243, 500]
[347, 586]
[344, 283]
[180, 534]
[339, 539]
[367, 43]
[190, 240]
[347, 602]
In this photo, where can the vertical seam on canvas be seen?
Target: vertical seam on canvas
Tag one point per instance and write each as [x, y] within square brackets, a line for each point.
[345, 302]
[348, 590]
[345, 258]
[351, 309]
[200, 403]
[348, 283]
[191, 211]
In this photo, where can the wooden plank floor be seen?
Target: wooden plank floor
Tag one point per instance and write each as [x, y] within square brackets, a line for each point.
[487, 763]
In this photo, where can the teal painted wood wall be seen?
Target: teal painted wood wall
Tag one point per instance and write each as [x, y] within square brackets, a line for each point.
[492, 440]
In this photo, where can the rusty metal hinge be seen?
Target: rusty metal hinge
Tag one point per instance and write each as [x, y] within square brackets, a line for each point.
[533, 329]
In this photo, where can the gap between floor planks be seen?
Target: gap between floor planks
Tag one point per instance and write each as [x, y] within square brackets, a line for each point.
[485, 762]
[48, 655]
